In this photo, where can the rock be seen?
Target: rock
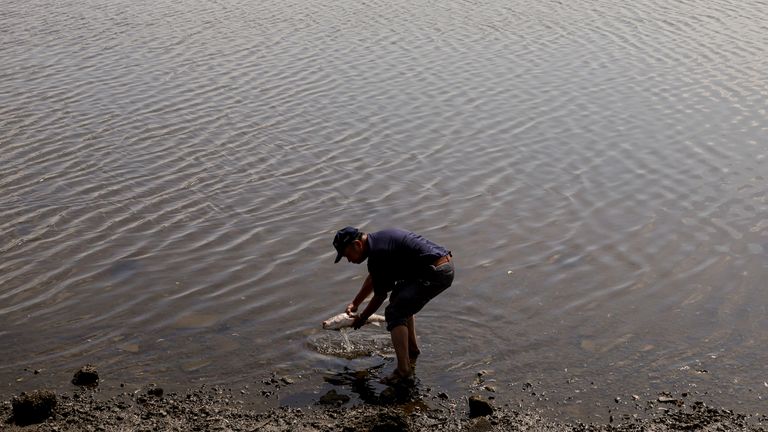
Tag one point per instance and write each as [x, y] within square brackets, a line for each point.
[86, 376]
[666, 397]
[155, 391]
[333, 398]
[35, 407]
[479, 407]
[443, 395]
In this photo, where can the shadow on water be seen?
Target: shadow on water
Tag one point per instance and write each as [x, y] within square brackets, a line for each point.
[124, 268]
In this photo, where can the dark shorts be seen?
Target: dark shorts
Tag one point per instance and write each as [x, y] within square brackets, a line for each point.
[409, 297]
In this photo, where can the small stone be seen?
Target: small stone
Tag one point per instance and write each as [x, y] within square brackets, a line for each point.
[479, 407]
[443, 395]
[86, 376]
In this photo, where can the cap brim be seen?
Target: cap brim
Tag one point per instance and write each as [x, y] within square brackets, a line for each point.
[338, 257]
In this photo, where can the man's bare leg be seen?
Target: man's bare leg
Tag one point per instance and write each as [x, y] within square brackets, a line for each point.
[413, 346]
[400, 343]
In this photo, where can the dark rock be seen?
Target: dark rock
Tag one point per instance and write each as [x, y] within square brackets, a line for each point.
[333, 398]
[479, 407]
[35, 407]
[86, 376]
[155, 391]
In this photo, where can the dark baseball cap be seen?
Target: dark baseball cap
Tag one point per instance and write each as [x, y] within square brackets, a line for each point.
[344, 237]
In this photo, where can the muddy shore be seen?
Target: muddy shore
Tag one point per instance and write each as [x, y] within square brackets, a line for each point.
[397, 408]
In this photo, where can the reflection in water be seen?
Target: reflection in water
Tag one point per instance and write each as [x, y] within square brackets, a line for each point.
[365, 383]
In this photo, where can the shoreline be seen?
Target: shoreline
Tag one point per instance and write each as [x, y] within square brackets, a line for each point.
[397, 408]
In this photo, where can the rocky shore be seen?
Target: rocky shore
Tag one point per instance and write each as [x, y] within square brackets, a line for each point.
[396, 409]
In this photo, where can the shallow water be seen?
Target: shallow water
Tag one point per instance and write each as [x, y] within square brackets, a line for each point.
[172, 174]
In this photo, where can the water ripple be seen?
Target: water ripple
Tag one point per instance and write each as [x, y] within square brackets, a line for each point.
[174, 173]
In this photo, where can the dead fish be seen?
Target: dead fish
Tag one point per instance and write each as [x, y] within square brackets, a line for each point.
[343, 320]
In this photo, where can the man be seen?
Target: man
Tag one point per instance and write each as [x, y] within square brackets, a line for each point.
[412, 268]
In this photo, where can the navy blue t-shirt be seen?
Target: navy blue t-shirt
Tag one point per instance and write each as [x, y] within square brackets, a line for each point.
[395, 255]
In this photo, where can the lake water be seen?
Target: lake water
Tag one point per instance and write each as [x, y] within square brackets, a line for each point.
[172, 173]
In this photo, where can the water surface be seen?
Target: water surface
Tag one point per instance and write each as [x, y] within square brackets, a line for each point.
[172, 174]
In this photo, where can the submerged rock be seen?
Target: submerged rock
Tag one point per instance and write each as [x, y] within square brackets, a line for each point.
[33, 407]
[333, 398]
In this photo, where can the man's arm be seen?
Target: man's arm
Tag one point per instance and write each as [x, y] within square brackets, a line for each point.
[365, 291]
[372, 307]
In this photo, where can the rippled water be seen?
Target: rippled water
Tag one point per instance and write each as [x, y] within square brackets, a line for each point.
[172, 173]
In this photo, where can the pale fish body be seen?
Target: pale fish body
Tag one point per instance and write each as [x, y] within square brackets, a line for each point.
[343, 320]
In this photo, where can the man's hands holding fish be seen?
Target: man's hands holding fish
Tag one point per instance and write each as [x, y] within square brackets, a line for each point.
[359, 322]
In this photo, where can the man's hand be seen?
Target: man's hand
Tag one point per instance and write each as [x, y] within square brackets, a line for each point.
[351, 309]
[359, 322]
